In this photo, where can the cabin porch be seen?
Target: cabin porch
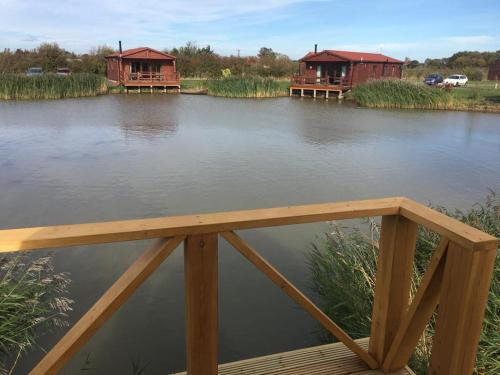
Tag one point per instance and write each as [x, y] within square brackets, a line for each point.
[149, 74]
[322, 78]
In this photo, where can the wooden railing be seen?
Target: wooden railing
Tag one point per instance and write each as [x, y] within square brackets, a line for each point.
[152, 77]
[457, 279]
[326, 80]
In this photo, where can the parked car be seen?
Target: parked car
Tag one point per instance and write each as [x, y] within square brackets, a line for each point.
[62, 71]
[31, 72]
[433, 79]
[456, 80]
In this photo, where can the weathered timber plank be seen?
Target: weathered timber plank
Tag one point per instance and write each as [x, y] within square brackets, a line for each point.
[202, 283]
[393, 280]
[330, 359]
[456, 231]
[129, 230]
[419, 312]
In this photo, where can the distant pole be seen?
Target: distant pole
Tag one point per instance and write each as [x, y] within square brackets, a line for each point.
[120, 61]
[238, 52]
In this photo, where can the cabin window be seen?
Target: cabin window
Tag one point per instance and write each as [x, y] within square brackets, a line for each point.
[156, 68]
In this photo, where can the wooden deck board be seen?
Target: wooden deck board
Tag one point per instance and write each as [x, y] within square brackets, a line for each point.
[318, 87]
[329, 359]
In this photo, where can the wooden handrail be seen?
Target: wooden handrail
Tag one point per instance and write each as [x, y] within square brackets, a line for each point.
[457, 279]
[130, 230]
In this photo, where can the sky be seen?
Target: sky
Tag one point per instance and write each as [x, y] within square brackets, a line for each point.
[417, 29]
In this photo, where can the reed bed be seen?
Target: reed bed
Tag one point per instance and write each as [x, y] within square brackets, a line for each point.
[343, 269]
[247, 87]
[390, 93]
[51, 86]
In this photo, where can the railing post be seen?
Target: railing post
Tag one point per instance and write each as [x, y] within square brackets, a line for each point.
[393, 279]
[464, 294]
[201, 277]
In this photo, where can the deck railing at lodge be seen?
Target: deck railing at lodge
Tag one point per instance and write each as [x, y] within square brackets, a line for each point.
[456, 281]
[152, 77]
[313, 80]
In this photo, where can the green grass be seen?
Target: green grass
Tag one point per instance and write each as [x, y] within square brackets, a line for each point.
[247, 87]
[51, 86]
[193, 84]
[32, 298]
[343, 268]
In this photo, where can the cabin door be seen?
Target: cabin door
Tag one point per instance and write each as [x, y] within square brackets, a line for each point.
[319, 73]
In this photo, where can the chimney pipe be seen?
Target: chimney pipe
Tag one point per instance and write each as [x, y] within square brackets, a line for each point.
[315, 48]
[120, 46]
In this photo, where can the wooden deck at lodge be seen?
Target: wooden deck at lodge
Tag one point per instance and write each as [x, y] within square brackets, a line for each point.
[329, 359]
[312, 86]
[152, 81]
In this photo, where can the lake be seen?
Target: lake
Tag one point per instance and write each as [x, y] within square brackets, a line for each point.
[123, 157]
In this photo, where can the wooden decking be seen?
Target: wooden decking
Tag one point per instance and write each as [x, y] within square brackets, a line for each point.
[159, 80]
[314, 89]
[329, 359]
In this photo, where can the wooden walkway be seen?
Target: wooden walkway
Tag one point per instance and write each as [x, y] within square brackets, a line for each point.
[329, 359]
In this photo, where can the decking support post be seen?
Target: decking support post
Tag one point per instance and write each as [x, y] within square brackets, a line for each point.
[290, 91]
[392, 285]
[464, 294]
[301, 92]
[314, 93]
[326, 94]
[341, 96]
[201, 278]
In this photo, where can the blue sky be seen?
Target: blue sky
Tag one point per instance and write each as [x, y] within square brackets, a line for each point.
[417, 29]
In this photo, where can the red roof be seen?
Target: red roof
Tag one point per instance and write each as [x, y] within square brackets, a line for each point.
[333, 55]
[143, 52]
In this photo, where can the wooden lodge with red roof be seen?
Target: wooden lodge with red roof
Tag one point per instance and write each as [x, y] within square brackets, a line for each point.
[339, 71]
[142, 67]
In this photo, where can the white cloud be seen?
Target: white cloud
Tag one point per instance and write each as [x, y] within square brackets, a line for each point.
[471, 40]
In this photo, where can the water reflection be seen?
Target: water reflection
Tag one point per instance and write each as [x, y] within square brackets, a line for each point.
[148, 129]
[122, 157]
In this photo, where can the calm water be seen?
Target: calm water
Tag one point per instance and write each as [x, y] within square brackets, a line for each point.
[119, 157]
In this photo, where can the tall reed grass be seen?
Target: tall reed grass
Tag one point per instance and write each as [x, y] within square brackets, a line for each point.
[32, 299]
[247, 87]
[51, 86]
[343, 269]
[391, 93]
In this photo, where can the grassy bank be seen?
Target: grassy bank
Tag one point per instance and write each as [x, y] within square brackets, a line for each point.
[247, 87]
[343, 268]
[481, 96]
[50, 86]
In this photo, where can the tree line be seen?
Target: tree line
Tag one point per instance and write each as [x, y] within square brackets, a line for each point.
[474, 64]
[204, 62]
[192, 61]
